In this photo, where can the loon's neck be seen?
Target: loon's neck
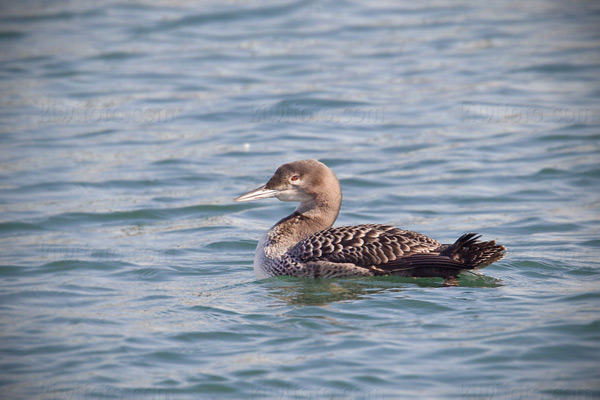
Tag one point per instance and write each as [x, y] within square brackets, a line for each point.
[293, 228]
[281, 237]
[314, 213]
[301, 223]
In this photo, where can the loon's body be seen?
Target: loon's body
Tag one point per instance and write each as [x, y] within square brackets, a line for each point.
[305, 245]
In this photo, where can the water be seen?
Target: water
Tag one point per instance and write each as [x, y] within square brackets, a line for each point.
[127, 130]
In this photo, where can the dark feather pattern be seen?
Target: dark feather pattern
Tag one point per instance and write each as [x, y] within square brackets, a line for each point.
[472, 253]
[362, 245]
[387, 250]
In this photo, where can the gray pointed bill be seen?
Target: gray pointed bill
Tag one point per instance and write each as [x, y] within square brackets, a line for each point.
[257, 194]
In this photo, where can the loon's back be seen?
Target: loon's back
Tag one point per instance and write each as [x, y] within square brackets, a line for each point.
[372, 250]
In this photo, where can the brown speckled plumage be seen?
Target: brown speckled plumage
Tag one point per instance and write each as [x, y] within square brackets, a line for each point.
[304, 244]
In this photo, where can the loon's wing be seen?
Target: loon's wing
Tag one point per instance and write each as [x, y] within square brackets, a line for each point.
[387, 250]
[366, 246]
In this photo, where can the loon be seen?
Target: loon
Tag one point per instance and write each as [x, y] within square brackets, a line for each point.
[304, 244]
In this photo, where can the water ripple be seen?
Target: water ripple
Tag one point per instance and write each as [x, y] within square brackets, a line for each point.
[127, 130]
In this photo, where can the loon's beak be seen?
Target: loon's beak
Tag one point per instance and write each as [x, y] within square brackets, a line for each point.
[258, 193]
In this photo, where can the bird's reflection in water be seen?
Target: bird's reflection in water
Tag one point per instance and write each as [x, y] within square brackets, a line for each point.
[319, 292]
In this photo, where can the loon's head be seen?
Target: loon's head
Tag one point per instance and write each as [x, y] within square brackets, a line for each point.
[309, 182]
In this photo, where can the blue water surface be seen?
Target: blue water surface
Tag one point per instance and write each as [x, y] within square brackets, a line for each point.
[127, 128]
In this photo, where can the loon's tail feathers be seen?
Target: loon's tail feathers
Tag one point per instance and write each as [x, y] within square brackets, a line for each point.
[472, 253]
[464, 254]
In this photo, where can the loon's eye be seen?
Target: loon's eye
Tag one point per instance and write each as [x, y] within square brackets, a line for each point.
[294, 178]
